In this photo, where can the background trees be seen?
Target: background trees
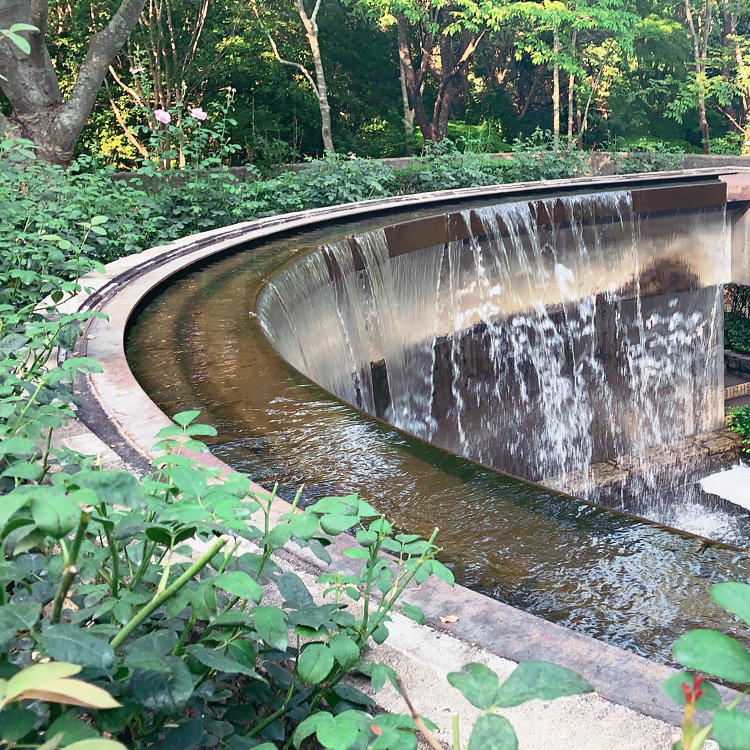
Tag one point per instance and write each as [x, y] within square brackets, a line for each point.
[378, 77]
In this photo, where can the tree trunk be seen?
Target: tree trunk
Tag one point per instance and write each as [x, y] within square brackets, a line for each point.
[408, 118]
[699, 37]
[321, 90]
[413, 79]
[556, 91]
[39, 112]
[571, 91]
[730, 40]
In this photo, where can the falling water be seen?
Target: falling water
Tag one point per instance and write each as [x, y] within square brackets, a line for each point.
[549, 338]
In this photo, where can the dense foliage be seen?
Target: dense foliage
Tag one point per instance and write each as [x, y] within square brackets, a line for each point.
[738, 420]
[594, 72]
[736, 332]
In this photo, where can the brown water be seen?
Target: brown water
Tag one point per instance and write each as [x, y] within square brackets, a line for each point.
[636, 585]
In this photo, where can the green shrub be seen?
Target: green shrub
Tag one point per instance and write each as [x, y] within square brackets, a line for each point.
[736, 332]
[323, 182]
[485, 138]
[647, 156]
[738, 420]
[536, 158]
[443, 167]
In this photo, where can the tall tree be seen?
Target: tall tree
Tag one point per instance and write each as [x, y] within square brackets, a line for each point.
[734, 99]
[576, 38]
[699, 19]
[318, 81]
[40, 113]
[437, 40]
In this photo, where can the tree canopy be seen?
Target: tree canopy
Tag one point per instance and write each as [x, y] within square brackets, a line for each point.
[375, 77]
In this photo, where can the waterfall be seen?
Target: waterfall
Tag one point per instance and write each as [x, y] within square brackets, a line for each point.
[543, 338]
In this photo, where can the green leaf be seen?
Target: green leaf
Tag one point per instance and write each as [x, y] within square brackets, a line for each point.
[271, 624]
[713, 653]
[733, 596]
[303, 525]
[540, 679]
[344, 505]
[81, 364]
[19, 41]
[17, 446]
[413, 613]
[672, 686]
[477, 683]
[16, 723]
[15, 618]
[366, 538]
[318, 549]
[381, 672]
[345, 650]
[191, 482]
[160, 534]
[239, 584]
[219, 661]
[10, 504]
[161, 642]
[336, 523]
[72, 729]
[95, 744]
[440, 571]
[279, 536]
[309, 726]
[315, 662]
[732, 729]
[55, 514]
[23, 470]
[356, 553]
[204, 600]
[338, 734]
[73, 644]
[113, 487]
[141, 658]
[160, 691]
[380, 634]
[293, 589]
[184, 418]
[492, 732]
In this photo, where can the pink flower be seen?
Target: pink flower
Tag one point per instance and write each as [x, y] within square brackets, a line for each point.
[136, 71]
[162, 116]
[198, 113]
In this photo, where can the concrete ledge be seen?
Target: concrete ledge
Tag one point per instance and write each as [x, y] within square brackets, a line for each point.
[739, 365]
[715, 450]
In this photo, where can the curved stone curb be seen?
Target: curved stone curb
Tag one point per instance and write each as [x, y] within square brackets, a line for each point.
[116, 409]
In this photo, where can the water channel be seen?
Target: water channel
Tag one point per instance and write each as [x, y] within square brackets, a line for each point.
[198, 344]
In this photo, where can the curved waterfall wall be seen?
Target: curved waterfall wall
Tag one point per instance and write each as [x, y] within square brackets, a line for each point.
[541, 337]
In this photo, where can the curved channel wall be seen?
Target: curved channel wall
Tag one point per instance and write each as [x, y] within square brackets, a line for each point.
[116, 408]
[539, 336]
